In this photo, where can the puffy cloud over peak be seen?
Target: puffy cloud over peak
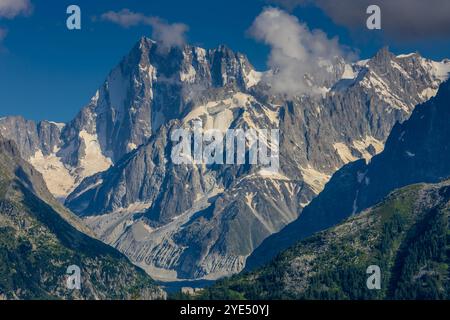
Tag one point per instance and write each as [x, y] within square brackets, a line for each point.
[299, 58]
[167, 34]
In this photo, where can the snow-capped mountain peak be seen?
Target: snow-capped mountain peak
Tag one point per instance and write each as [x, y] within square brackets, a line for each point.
[113, 158]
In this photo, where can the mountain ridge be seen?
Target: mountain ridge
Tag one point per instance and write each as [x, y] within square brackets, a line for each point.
[136, 201]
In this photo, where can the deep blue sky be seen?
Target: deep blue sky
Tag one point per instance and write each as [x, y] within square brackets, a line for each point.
[48, 72]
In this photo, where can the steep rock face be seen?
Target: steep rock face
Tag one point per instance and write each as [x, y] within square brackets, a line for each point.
[31, 137]
[183, 191]
[127, 126]
[180, 221]
[416, 151]
[39, 240]
[146, 90]
[151, 87]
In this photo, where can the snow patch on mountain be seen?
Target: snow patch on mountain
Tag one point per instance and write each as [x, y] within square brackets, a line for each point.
[131, 146]
[188, 75]
[364, 145]
[349, 72]
[60, 182]
[271, 174]
[218, 114]
[315, 179]
[441, 69]
[93, 160]
[60, 125]
[344, 152]
[407, 55]
[252, 78]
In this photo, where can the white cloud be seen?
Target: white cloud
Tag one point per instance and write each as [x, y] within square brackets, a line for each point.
[125, 18]
[170, 35]
[167, 34]
[11, 8]
[401, 19]
[298, 57]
